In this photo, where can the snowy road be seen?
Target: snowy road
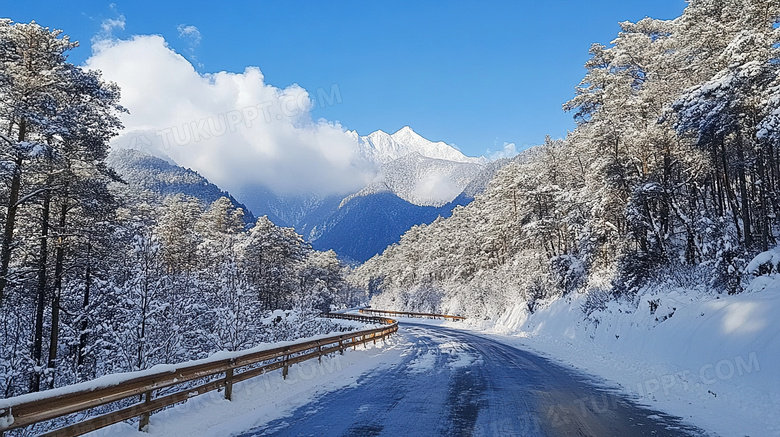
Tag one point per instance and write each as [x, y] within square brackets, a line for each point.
[452, 383]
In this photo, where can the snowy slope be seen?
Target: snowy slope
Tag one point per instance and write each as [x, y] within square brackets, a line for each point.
[480, 182]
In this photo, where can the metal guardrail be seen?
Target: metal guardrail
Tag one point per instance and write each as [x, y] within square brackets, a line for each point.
[405, 314]
[17, 413]
[359, 318]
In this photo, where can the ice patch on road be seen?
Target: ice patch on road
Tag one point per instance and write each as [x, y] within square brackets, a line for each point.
[423, 363]
[460, 355]
[463, 360]
[457, 354]
[311, 411]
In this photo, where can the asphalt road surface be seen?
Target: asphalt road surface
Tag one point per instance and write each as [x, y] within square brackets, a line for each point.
[452, 383]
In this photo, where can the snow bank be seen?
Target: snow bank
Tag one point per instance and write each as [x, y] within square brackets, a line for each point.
[770, 257]
[713, 360]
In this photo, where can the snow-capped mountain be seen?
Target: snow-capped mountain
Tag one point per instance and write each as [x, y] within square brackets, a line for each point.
[415, 181]
[368, 221]
[380, 147]
[420, 171]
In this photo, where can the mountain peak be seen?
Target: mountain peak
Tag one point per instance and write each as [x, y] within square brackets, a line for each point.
[406, 130]
[406, 135]
[379, 134]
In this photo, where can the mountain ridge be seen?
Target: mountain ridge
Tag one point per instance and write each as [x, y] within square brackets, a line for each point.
[380, 147]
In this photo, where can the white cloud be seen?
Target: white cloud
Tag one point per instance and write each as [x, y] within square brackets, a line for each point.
[190, 33]
[434, 188]
[509, 151]
[108, 26]
[233, 128]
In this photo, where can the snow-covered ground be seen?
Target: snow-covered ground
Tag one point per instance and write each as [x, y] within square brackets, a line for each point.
[712, 360]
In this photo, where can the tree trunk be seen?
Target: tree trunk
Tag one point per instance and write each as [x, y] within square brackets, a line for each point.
[40, 303]
[729, 193]
[717, 184]
[55, 306]
[144, 306]
[772, 173]
[10, 218]
[762, 199]
[690, 242]
[746, 224]
[84, 306]
[667, 175]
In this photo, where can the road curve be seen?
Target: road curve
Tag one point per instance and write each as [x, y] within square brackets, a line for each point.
[452, 383]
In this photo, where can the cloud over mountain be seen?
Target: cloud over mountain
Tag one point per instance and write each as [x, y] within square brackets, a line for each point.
[234, 128]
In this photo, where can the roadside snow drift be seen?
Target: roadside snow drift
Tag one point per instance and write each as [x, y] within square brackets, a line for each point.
[713, 360]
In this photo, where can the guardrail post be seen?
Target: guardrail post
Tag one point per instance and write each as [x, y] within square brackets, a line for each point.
[144, 423]
[229, 384]
[319, 352]
[341, 347]
[5, 414]
[286, 368]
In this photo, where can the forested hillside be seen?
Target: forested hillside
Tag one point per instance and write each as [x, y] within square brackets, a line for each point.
[672, 174]
[100, 275]
[150, 173]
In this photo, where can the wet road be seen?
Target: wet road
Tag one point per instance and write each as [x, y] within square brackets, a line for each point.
[452, 383]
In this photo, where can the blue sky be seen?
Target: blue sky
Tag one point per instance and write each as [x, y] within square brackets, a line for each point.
[474, 73]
